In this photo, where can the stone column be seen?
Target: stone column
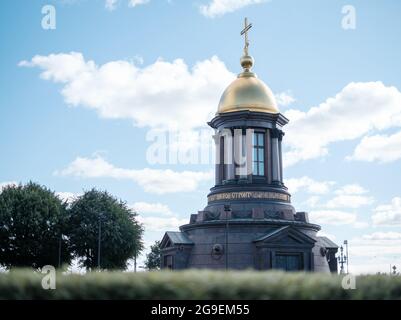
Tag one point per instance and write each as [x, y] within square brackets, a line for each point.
[280, 153]
[248, 150]
[276, 172]
[240, 155]
[226, 156]
[268, 157]
[217, 138]
[229, 160]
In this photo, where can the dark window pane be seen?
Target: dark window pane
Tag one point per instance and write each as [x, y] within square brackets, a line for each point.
[261, 141]
[258, 156]
[255, 168]
[261, 155]
[289, 262]
[261, 169]
[255, 154]
[281, 262]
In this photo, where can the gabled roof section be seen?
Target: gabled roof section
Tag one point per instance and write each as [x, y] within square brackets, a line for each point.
[286, 231]
[270, 234]
[326, 242]
[172, 238]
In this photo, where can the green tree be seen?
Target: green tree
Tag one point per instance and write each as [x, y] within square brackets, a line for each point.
[153, 257]
[33, 227]
[98, 213]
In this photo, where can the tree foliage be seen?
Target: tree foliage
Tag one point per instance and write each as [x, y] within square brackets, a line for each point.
[33, 221]
[120, 232]
[153, 257]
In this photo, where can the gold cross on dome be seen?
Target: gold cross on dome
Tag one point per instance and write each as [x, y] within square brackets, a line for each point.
[245, 32]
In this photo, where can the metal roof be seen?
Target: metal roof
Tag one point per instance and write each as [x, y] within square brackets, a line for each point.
[177, 237]
[265, 236]
[326, 242]
[290, 229]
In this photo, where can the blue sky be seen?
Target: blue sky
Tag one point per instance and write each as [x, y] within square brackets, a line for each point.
[78, 102]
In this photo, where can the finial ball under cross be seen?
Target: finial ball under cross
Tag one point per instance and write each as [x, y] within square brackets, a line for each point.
[246, 59]
[245, 32]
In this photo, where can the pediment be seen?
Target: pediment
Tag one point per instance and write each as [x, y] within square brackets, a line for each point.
[287, 235]
[288, 239]
[171, 239]
[166, 243]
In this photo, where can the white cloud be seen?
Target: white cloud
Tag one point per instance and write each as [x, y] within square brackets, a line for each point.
[161, 95]
[354, 112]
[134, 3]
[157, 216]
[311, 186]
[382, 148]
[332, 217]
[151, 180]
[312, 201]
[383, 236]
[348, 196]
[68, 2]
[349, 201]
[388, 214]
[370, 266]
[351, 189]
[360, 224]
[284, 98]
[220, 7]
[67, 196]
[162, 223]
[6, 184]
[110, 4]
[374, 252]
[325, 234]
[138, 59]
[369, 248]
[146, 208]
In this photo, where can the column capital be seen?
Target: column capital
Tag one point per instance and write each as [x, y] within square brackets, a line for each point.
[277, 133]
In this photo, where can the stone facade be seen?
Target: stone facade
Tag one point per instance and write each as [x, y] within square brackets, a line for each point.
[249, 222]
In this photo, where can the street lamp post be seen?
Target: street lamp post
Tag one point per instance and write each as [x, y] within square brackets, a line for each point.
[99, 242]
[227, 209]
[59, 251]
[346, 254]
[135, 261]
[342, 259]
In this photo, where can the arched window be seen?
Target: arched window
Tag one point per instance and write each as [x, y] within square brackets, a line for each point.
[258, 160]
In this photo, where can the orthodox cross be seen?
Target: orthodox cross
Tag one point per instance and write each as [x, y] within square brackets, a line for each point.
[245, 32]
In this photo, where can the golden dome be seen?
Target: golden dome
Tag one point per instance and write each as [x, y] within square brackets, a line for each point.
[247, 92]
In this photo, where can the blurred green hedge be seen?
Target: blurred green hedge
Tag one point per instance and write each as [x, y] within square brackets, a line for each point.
[196, 284]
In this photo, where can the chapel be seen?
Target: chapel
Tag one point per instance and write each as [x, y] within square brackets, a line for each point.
[248, 221]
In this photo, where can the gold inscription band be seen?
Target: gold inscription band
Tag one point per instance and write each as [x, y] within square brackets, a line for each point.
[249, 195]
